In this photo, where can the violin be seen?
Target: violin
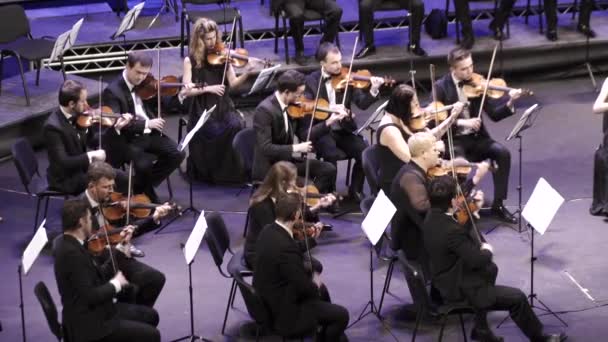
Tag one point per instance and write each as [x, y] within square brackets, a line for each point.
[149, 87]
[303, 230]
[434, 111]
[220, 55]
[304, 106]
[94, 116]
[106, 235]
[359, 79]
[140, 207]
[497, 87]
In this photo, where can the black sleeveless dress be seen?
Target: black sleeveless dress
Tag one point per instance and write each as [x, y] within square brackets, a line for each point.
[389, 163]
[599, 205]
[212, 158]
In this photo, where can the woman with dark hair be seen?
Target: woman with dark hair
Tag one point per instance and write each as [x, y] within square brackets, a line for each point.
[280, 179]
[211, 157]
[394, 131]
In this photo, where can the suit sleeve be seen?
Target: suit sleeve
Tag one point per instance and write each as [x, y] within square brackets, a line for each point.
[110, 99]
[363, 98]
[291, 267]
[58, 154]
[467, 250]
[497, 109]
[85, 288]
[262, 123]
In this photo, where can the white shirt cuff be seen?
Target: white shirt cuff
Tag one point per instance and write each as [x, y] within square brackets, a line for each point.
[146, 129]
[116, 285]
[90, 156]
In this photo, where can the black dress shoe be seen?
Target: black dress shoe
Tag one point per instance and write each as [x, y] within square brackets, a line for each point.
[503, 214]
[552, 35]
[416, 50]
[496, 31]
[484, 335]
[467, 42]
[300, 59]
[552, 338]
[136, 252]
[586, 30]
[327, 227]
[366, 51]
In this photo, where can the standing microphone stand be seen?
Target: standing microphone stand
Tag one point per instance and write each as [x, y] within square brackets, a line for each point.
[21, 308]
[587, 65]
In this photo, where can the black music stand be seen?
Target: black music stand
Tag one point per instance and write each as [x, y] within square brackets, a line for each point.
[167, 6]
[64, 42]
[373, 119]
[264, 79]
[128, 21]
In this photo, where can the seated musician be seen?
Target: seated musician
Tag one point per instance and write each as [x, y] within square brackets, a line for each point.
[280, 179]
[88, 289]
[154, 155]
[67, 142]
[584, 17]
[462, 269]
[275, 134]
[287, 288]
[409, 194]
[395, 129]
[463, 13]
[366, 25]
[340, 142]
[471, 139]
[149, 281]
[211, 158]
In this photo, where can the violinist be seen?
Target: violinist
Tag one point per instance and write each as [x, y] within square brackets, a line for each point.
[148, 280]
[154, 155]
[463, 270]
[88, 289]
[211, 158]
[275, 134]
[68, 144]
[471, 139]
[340, 142]
[289, 291]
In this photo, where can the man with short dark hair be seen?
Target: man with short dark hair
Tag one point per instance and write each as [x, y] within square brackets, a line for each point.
[154, 155]
[290, 292]
[88, 289]
[275, 134]
[462, 269]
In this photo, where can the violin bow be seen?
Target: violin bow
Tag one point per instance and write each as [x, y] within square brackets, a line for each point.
[350, 70]
[100, 100]
[433, 91]
[485, 91]
[229, 45]
[158, 102]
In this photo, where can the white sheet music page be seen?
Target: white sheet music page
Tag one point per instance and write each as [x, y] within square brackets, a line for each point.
[378, 218]
[542, 206]
[33, 249]
[195, 238]
[201, 121]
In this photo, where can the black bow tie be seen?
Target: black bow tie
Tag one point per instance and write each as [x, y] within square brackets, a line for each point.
[94, 211]
[324, 79]
[461, 84]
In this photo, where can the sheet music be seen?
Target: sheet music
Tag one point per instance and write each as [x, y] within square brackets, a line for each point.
[522, 121]
[33, 249]
[201, 121]
[264, 78]
[74, 32]
[378, 218]
[195, 238]
[129, 19]
[542, 206]
[59, 45]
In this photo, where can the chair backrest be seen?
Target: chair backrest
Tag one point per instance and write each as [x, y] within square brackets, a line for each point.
[217, 237]
[255, 304]
[25, 161]
[13, 23]
[371, 167]
[49, 308]
[243, 143]
[416, 282]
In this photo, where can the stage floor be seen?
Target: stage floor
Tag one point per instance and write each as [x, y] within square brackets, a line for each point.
[559, 148]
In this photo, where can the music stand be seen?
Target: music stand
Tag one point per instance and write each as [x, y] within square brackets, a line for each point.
[372, 120]
[167, 5]
[128, 21]
[190, 249]
[30, 254]
[264, 79]
[64, 42]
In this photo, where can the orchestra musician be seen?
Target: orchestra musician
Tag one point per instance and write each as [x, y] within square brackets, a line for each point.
[275, 134]
[366, 25]
[463, 13]
[463, 269]
[584, 17]
[290, 291]
[67, 143]
[471, 139]
[154, 155]
[340, 142]
[88, 289]
[329, 9]
[211, 158]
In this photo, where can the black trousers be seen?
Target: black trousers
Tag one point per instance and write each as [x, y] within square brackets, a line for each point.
[476, 148]
[147, 280]
[332, 318]
[322, 173]
[584, 16]
[332, 13]
[135, 323]
[463, 13]
[516, 302]
[154, 157]
[340, 145]
[366, 18]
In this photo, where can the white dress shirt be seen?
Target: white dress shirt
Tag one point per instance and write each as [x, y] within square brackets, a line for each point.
[283, 111]
[284, 227]
[139, 105]
[465, 114]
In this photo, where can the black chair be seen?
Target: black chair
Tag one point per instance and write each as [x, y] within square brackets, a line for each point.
[422, 299]
[540, 7]
[16, 40]
[309, 15]
[224, 15]
[259, 311]
[370, 161]
[473, 10]
[35, 184]
[49, 309]
[243, 144]
[218, 241]
[389, 6]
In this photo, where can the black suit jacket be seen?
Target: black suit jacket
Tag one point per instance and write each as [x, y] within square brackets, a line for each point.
[496, 109]
[273, 144]
[89, 313]
[460, 269]
[67, 152]
[281, 279]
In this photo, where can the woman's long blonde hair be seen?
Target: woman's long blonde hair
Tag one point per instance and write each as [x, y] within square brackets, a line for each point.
[197, 47]
[278, 180]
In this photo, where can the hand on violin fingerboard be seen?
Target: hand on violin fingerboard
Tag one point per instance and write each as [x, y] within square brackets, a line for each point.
[161, 211]
[123, 121]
